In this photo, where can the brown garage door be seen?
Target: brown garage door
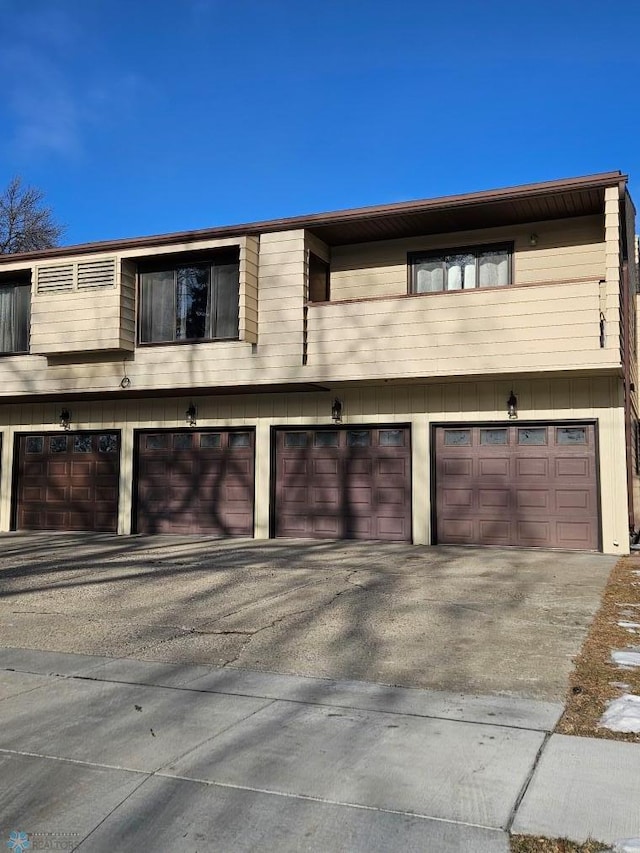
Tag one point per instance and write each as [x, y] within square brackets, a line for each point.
[343, 483]
[68, 481]
[195, 482]
[517, 485]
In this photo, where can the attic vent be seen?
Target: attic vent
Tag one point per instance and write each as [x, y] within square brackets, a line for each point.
[96, 273]
[55, 277]
[82, 275]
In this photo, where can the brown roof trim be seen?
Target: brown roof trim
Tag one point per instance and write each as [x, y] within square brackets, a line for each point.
[565, 185]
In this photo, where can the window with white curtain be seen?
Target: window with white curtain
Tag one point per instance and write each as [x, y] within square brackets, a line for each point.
[461, 269]
[190, 301]
[15, 302]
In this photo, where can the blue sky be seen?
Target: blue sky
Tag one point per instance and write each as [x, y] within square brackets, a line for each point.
[148, 116]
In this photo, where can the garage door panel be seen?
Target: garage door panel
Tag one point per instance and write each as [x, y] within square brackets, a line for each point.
[575, 534]
[356, 483]
[394, 528]
[534, 532]
[195, 482]
[457, 530]
[532, 466]
[494, 498]
[58, 469]
[359, 495]
[571, 467]
[541, 479]
[326, 496]
[457, 497]
[539, 499]
[458, 467]
[391, 496]
[569, 499]
[493, 466]
[495, 529]
[389, 467]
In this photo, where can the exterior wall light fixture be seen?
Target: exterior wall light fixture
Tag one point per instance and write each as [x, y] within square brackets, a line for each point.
[533, 240]
[336, 411]
[65, 418]
[190, 415]
[512, 405]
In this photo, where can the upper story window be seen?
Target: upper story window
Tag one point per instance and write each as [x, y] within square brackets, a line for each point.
[15, 302]
[190, 300]
[460, 269]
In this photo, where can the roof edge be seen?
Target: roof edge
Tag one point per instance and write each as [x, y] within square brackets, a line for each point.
[563, 185]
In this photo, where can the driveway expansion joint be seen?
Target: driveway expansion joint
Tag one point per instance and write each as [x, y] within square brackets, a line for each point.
[527, 782]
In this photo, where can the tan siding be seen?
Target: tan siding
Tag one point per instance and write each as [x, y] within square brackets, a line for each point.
[542, 327]
[248, 314]
[572, 248]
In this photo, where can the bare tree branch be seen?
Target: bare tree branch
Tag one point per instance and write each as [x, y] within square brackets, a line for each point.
[26, 224]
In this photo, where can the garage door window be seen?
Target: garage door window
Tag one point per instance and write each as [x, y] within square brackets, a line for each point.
[358, 438]
[156, 442]
[58, 444]
[494, 436]
[391, 438]
[82, 444]
[571, 435]
[295, 439]
[457, 437]
[326, 439]
[239, 439]
[35, 444]
[182, 441]
[107, 443]
[537, 435]
[210, 439]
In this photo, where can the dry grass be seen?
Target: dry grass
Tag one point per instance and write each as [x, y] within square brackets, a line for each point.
[534, 844]
[590, 685]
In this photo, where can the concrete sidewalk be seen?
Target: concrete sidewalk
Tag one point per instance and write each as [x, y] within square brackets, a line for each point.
[104, 754]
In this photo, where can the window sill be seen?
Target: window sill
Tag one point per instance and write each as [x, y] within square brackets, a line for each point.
[193, 342]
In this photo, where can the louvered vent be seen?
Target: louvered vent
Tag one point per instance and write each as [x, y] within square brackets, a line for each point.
[55, 277]
[100, 273]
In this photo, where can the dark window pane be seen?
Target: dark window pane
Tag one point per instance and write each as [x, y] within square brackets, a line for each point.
[158, 298]
[157, 442]
[226, 279]
[571, 435]
[192, 303]
[210, 439]
[239, 439]
[295, 439]
[58, 444]
[182, 441]
[535, 435]
[326, 438]
[318, 279]
[107, 443]
[392, 438]
[82, 443]
[14, 318]
[358, 438]
[35, 444]
[494, 436]
[457, 437]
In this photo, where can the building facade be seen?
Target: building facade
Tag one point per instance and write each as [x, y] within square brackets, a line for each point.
[460, 370]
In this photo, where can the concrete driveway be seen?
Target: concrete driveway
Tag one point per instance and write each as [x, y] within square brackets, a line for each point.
[456, 619]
